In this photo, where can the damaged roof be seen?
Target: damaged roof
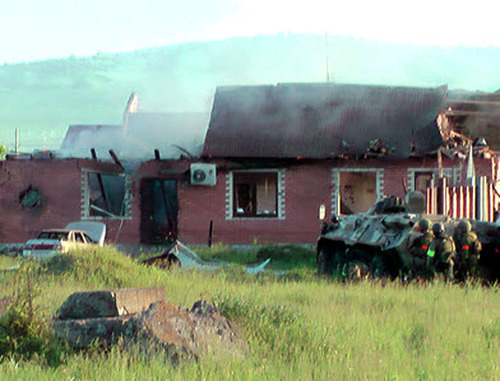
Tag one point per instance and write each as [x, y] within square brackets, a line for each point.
[80, 138]
[475, 115]
[323, 121]
[173, 134]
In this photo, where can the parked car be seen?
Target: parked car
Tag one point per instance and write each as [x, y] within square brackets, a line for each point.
[50, 242]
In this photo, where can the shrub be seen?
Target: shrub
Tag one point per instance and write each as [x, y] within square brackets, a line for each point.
[24, 331]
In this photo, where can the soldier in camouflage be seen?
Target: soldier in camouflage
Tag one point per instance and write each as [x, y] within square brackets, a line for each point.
[468, 251]
[441, 253]
[418, 249]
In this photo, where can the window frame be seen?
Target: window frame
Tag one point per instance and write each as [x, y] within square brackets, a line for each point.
[127, 197]
[453, 174]
[335, 181]
[231, 212]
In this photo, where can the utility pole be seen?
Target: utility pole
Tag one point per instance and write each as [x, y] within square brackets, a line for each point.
[327, 59]
[16, 146]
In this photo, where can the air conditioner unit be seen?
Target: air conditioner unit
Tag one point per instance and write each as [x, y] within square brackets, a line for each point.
[203, 174]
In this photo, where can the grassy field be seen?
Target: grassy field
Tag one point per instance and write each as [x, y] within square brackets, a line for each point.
[297, 326]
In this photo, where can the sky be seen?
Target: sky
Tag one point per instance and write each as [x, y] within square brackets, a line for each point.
[37, 30]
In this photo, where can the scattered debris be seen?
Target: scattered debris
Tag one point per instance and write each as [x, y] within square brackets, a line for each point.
[43, 154]
[105, 317]
[378, 148]
[178, 254]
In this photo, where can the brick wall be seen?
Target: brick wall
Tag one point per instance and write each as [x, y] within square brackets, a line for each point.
[58, 182]
[305, 187]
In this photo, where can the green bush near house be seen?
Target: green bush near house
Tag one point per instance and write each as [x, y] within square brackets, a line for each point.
[24, 329]
[3, 151]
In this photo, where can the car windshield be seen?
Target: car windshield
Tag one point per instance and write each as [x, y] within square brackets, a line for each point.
[61, 236]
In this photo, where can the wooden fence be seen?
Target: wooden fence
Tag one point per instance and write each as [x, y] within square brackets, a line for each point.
[475, 201]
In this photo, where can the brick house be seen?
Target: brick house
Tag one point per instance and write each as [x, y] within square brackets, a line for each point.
[277, 161]
[294, 154]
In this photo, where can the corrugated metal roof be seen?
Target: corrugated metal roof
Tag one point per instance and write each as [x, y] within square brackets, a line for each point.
[322, 120]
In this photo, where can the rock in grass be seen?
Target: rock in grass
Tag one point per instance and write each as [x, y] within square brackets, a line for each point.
[180, 332]
[100, 332]
[108, 303]
[198, 331]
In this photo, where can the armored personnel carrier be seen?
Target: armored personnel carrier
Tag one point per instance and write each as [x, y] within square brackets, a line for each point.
[376, 243]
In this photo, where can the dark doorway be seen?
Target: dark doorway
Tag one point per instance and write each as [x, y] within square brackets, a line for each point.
[159, 210]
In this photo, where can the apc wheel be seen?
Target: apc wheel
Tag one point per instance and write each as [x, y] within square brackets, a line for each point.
[378, 268]
[325, 261]
[354, 270]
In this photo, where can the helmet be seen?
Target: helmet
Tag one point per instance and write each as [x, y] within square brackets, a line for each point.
[424, 224]
[464, 226]
[438, 229]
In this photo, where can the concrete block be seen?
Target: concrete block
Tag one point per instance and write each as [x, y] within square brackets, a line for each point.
[108, 303]
[84, 333]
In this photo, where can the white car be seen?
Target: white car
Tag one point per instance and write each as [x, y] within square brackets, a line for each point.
[51, 242]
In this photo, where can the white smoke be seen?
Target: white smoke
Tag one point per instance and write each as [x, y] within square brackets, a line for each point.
[172, 134]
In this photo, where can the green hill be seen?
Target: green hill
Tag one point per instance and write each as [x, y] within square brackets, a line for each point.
[42, 98]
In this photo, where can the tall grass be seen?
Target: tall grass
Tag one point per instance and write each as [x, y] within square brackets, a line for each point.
[296, 327]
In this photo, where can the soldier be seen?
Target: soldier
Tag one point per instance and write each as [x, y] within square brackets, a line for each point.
[418, 248]
[468, 251]
[441, 252]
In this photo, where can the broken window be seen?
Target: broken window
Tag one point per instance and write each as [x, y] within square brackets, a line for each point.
[357, 191]
[422, 179]
[422, 176]
[255, 194]
[106, 195]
